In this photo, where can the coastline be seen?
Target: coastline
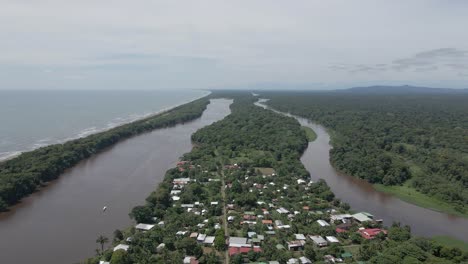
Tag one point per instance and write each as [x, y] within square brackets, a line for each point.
[27, 173]
[8, 155]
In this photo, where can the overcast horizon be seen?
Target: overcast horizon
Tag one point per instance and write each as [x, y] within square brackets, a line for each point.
[316, 45]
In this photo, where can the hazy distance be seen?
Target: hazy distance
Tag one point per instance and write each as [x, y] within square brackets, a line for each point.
[238, 44]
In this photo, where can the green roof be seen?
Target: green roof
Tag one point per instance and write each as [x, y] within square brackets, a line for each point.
[347, 255]
[279, 246]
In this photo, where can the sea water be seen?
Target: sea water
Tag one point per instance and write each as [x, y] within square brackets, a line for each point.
[32, 119]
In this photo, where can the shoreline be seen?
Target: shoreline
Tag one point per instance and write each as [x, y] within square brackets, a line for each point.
[106, 127]
[47, 164]
[403, 193]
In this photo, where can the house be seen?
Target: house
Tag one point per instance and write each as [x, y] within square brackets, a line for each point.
[251, 234]
[214, 203]
[248, 222]
[190, 260]
[301, 181]
[103, 262]
[144, 227]
[209, 240]
[300, 237]
[292, 261]
[249, 217]
[238, 242]
[332, 259]
[278, 223]
[280, 247]
[201, 238]
[332, 239]
[230, 218]
[267, 222]
[323, 223]
[181, 181]
[319, 241]
[194, 235]
[181, 233]
[282, 210]
[296, 245]
[371, 233]
[175, 192]
[243, 250]
[305, 260]
[363, 217]
[344, 227]
[160, 247]
[340, 217]
[121, 246]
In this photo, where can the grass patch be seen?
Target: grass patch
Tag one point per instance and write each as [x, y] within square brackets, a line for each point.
[451, 242]
[411, 195]
[310, 133]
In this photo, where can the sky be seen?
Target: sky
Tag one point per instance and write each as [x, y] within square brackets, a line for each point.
[302, 44]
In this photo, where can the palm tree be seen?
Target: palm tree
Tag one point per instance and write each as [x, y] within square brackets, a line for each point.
[102, 240]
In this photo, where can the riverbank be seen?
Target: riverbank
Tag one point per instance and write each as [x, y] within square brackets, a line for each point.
[411, 195]
[119, 177]
[406, 193]
[310, 133]
[37, 118]
[451, 242]
[282, 216]
[22, 175]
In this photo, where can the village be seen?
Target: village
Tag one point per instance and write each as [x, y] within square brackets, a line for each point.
[252, 215]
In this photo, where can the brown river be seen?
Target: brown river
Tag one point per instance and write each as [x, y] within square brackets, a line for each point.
[61, 223]
[362, 196]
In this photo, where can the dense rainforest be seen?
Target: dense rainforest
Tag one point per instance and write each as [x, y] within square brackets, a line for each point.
[227, 171]
[22, 175]
[419, 140]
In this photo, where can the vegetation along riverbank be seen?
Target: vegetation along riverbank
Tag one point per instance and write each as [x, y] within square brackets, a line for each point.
[22, 175]
[413, 145]
[242, 195]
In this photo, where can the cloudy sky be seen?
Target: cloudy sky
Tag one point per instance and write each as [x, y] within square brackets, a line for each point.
[89, 44]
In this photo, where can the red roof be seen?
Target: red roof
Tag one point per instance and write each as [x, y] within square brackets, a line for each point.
[242, 250]
[250, 217]
[340, 230]
[371, 233]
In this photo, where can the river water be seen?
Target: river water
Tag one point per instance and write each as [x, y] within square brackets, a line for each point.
[362, 196]
[61, 224]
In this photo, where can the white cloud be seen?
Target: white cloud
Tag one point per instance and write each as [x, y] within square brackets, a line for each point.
[226, 43]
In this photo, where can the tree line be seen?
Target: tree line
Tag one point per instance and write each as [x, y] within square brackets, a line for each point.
[22, 175]
[419, 139]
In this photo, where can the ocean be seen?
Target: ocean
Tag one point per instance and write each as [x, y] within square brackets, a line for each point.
[32, 119]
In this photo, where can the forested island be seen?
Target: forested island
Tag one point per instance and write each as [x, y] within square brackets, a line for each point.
[24, 174]
[411, 144]
[243, 196]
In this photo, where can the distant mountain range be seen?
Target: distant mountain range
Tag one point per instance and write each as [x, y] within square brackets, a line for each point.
[404, 89]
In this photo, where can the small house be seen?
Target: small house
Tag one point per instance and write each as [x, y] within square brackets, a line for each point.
[319, 241]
